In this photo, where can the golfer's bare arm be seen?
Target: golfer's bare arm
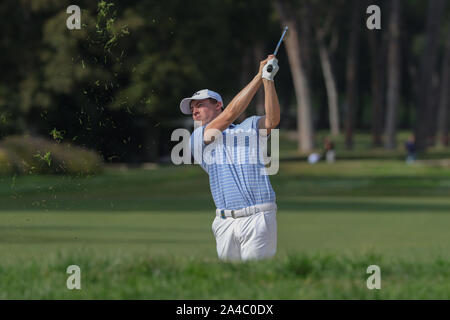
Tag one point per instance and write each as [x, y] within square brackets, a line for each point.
[272, 107]
[236, 107]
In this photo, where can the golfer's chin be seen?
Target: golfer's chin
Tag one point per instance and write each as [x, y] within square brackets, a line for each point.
[200, 119]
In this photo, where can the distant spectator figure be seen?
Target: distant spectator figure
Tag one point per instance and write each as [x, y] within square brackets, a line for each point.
[313, 158]
[329, 152]
[410, 147]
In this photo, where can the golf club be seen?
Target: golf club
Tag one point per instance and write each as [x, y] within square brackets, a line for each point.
[270, 68]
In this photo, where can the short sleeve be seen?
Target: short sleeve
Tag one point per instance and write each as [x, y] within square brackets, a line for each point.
[255, 120]
[255, 126]
[250, 123]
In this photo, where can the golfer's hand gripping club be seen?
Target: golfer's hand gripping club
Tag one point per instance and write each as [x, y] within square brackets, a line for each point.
[270, 69]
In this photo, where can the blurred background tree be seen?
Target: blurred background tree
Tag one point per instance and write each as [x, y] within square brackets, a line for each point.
[114, 86]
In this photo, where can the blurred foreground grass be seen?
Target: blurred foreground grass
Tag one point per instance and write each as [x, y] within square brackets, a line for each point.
[297, 276]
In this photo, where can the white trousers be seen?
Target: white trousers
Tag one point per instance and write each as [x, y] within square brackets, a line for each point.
[247, 238]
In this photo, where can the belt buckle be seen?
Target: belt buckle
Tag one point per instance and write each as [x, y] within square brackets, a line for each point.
[222, 214]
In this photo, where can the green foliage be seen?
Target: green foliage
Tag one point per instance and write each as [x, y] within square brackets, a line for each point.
[57, 135]
[33, 155]
[123, 74]
[45, 157]
[106, 16]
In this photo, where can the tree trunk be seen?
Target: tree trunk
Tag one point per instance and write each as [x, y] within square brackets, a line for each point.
[393, 85]
[352, 73]
[377, 85]
[433, 102]
[378, 43]
[305, 32]
[444, 103]
[301, 83]
[427, 67]
[330, 83]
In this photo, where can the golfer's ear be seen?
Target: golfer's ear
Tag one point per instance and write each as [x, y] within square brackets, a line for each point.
[219, 105]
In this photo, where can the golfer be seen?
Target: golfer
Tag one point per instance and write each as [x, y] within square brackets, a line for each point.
[245, 225]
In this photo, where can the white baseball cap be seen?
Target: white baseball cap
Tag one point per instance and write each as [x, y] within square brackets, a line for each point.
[199, 95]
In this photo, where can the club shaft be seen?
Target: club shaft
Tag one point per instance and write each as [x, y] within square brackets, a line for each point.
[279, 42]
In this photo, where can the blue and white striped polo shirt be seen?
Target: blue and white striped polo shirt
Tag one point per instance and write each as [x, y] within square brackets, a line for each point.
[234, 165]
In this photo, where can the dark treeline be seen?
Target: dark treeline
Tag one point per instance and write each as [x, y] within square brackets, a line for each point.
[115, 85]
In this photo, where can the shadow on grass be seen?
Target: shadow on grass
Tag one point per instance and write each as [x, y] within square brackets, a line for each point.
[186, 189]
[204, 204]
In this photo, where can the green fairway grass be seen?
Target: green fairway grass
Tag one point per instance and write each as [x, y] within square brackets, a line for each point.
[146, 234]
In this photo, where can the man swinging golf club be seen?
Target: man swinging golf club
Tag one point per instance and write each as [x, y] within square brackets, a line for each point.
[245, 225]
